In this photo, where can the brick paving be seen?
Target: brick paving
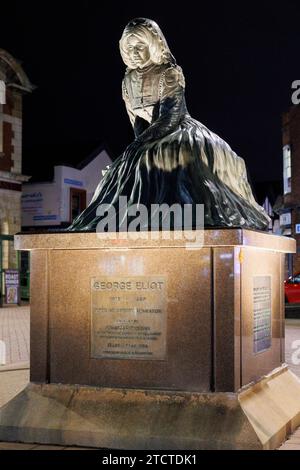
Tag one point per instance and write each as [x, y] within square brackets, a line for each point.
[293, 442]
[20, 446]
[14, 333]
[292, 357]
[12, 382]
[292, 345]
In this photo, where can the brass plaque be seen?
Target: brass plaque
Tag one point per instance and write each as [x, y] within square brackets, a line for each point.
[262, 313]
[128, 317]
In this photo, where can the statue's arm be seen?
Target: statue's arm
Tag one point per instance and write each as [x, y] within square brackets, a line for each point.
[171, 106]
[127, 103]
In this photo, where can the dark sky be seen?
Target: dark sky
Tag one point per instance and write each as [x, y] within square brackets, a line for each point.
[239, 60]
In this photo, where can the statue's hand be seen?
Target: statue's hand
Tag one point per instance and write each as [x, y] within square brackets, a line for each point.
[105, 170]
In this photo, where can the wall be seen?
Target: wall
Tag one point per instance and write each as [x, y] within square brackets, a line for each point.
[49, 203]
[41, 204]
[11, 123]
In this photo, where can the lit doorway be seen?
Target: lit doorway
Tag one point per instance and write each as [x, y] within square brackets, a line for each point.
[77, 202]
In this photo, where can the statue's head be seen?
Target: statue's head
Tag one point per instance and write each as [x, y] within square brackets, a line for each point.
[142, 43]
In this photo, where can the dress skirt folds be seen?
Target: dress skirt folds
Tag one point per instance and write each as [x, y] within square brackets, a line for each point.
[174, 159]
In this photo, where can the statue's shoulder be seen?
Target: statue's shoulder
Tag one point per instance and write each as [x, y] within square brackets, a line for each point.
[126, 81]
[173, 75]
[127, 74]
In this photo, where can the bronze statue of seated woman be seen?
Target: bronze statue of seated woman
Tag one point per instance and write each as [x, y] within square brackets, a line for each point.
[174, 159]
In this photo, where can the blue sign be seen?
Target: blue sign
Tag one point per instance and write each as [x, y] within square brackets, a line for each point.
[73, 182]
[297, 228]
[44, 217]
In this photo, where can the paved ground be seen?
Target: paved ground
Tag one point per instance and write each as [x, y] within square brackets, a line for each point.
[14, 375]
[293, 443]
[11, 383]
[14, 333]
[17, 446]
[292, 345]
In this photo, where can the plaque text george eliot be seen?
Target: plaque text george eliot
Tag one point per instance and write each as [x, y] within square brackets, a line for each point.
[128, 317]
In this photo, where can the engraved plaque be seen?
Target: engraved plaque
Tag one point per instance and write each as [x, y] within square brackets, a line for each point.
[128, 317]
[262, 313]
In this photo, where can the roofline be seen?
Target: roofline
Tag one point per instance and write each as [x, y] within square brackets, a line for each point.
[93, 155]
[15, 65]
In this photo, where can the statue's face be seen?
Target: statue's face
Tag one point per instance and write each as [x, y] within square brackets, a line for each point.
[138, 52]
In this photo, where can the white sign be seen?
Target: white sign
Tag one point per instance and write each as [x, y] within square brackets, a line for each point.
[40, 206]
[285, 219]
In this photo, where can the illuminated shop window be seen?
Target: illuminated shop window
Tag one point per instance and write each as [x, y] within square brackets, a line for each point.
[1, 135]
[287, 173]
[2, 92]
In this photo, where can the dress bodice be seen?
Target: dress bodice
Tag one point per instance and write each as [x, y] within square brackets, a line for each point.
[143, 89]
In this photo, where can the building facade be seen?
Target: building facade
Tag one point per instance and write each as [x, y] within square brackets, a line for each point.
[290, 212]
[13, 84]
[56, 203]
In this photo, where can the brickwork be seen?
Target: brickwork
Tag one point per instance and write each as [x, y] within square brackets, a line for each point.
[10, 223]
[8, 106]
[11, 123]
[16, 83]
[10, 209]
[6, 161]
[14, 143]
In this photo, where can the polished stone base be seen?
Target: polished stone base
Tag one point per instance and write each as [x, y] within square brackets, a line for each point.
[259, 416]
[207, 332]
[169, 368]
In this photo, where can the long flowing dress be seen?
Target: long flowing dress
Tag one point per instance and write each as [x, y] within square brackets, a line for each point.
[174, 158]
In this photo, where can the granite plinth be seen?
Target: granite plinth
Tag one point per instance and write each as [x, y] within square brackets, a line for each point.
[217, 335]
[209, 307]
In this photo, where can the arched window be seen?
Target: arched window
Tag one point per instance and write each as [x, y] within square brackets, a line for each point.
[2, 92]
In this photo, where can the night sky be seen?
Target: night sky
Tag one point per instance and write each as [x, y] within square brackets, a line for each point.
[239, 61]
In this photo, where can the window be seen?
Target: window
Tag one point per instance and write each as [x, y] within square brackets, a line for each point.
[1, 135]
[287, 173]
[76, 199]
[285, 219]
[297, 279]
[4, 230]
[2, 92]
[77, 202]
